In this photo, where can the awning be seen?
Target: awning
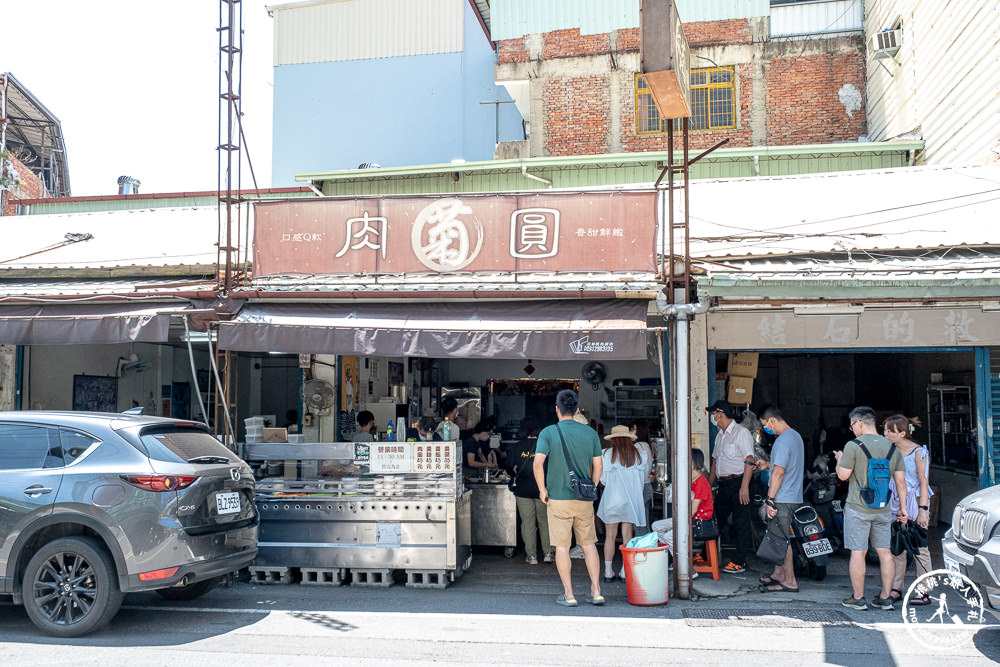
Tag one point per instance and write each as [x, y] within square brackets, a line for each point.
[547, 329]
[72, 324]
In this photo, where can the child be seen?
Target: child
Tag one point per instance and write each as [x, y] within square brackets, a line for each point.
[702, 507]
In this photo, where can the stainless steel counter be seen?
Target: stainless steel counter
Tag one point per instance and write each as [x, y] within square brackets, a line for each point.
[494, 516]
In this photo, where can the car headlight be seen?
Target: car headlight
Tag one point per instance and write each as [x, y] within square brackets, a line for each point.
[956, 521]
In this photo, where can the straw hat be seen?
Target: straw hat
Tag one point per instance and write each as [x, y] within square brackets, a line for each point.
[620, 432]
[580, 417]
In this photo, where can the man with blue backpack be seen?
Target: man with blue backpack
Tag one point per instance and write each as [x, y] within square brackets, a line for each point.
[871, 463]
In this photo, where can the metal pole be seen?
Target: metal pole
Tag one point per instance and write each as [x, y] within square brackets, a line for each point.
[682, 462]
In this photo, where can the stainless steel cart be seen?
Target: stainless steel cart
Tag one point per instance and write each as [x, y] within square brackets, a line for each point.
[494, 516]
[376, 506]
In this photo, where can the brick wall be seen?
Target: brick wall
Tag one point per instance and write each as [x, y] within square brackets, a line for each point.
[30, 188]
[804, 104]
[805, 97]
[577, 118]
[571, 44]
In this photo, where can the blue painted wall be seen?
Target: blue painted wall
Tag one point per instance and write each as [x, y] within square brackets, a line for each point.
[391, 111]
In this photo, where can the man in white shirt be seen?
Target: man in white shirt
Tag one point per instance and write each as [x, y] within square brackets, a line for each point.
[733, 465]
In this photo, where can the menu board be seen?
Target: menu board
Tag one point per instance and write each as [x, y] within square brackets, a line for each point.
[433, 456]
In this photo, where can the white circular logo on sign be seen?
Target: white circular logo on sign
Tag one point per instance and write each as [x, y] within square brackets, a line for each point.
[442, 240]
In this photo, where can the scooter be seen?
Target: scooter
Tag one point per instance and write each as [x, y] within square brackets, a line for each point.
[820, 492]
[810, 550]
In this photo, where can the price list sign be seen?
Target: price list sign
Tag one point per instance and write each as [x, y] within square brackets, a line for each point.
[433, 457]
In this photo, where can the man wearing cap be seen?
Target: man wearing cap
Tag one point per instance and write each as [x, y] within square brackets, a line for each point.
[733, 465]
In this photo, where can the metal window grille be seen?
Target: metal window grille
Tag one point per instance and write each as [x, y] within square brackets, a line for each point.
[713, 94]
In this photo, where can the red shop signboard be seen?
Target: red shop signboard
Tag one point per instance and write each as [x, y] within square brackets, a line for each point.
[570, 232]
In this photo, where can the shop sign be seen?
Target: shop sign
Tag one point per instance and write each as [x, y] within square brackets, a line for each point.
[869, 328]
[390, 457]
[613, 231]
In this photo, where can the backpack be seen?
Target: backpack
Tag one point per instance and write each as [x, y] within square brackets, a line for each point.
[876, 495]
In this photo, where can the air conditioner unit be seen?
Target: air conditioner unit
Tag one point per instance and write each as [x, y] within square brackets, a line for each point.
[885, 44]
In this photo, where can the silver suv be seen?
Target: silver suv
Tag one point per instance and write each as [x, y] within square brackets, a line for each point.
[972, 544]
[94, 505]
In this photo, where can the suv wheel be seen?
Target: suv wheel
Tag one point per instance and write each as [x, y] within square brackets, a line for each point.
[70, 587]
[189, 592]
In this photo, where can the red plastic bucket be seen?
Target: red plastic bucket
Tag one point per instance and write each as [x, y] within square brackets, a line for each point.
[647, 579]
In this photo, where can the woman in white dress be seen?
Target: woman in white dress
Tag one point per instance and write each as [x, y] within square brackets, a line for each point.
[621, 502]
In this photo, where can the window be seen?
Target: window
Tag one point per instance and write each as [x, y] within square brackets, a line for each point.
[75, 444]
[712, 102]
[25, 447]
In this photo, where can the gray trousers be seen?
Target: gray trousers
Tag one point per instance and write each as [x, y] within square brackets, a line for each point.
[534, 525]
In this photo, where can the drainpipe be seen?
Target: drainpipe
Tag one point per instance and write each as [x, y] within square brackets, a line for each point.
[312, 186]
[524, 172]
[681, 447]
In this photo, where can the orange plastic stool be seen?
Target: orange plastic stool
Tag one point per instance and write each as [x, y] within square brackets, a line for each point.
[712, 563]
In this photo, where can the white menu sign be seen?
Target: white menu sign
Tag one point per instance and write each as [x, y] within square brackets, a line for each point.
[390, 456]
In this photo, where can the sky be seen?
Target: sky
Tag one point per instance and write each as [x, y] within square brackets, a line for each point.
[136, 87]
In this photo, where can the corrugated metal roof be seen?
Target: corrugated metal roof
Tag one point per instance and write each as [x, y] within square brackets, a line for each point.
[336, 30]
[167, 237]
[510, 19]
[691, 11]
[55, 205]
[143, 289]
[507, 282]
[813, 18]
[853, 215]
[589, 171]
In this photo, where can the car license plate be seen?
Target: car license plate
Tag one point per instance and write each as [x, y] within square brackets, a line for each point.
[227, 503]
[952, 565]
[817, 548]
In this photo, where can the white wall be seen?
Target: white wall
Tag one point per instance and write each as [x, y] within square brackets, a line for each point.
[50, 370]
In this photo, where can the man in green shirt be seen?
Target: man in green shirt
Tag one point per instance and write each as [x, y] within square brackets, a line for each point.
[863, 524]
[568, 516]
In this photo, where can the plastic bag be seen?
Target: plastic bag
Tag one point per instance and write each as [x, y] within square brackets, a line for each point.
[647, 541]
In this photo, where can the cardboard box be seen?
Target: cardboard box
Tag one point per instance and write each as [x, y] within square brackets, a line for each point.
[274, 435]
[743, 364]
[740, 390]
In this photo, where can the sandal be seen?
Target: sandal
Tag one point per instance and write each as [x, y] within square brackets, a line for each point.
[566, 603]
[781, 588]
[767, 580]
[895, 595]
[920, 601]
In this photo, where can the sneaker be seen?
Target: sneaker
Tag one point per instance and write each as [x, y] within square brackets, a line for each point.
[531, 560]
[734, 568]
[698, 559]
[549, 557]
[854, 603]
[576, 552]
[882, 603]
[694, 574]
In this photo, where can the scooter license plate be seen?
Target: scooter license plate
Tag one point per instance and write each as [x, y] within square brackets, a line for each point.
[817, 548]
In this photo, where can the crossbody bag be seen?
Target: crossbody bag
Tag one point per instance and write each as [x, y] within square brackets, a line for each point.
[583, 487]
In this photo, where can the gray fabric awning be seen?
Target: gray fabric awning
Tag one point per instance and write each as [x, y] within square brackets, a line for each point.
[547, 329]
[71, 324]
